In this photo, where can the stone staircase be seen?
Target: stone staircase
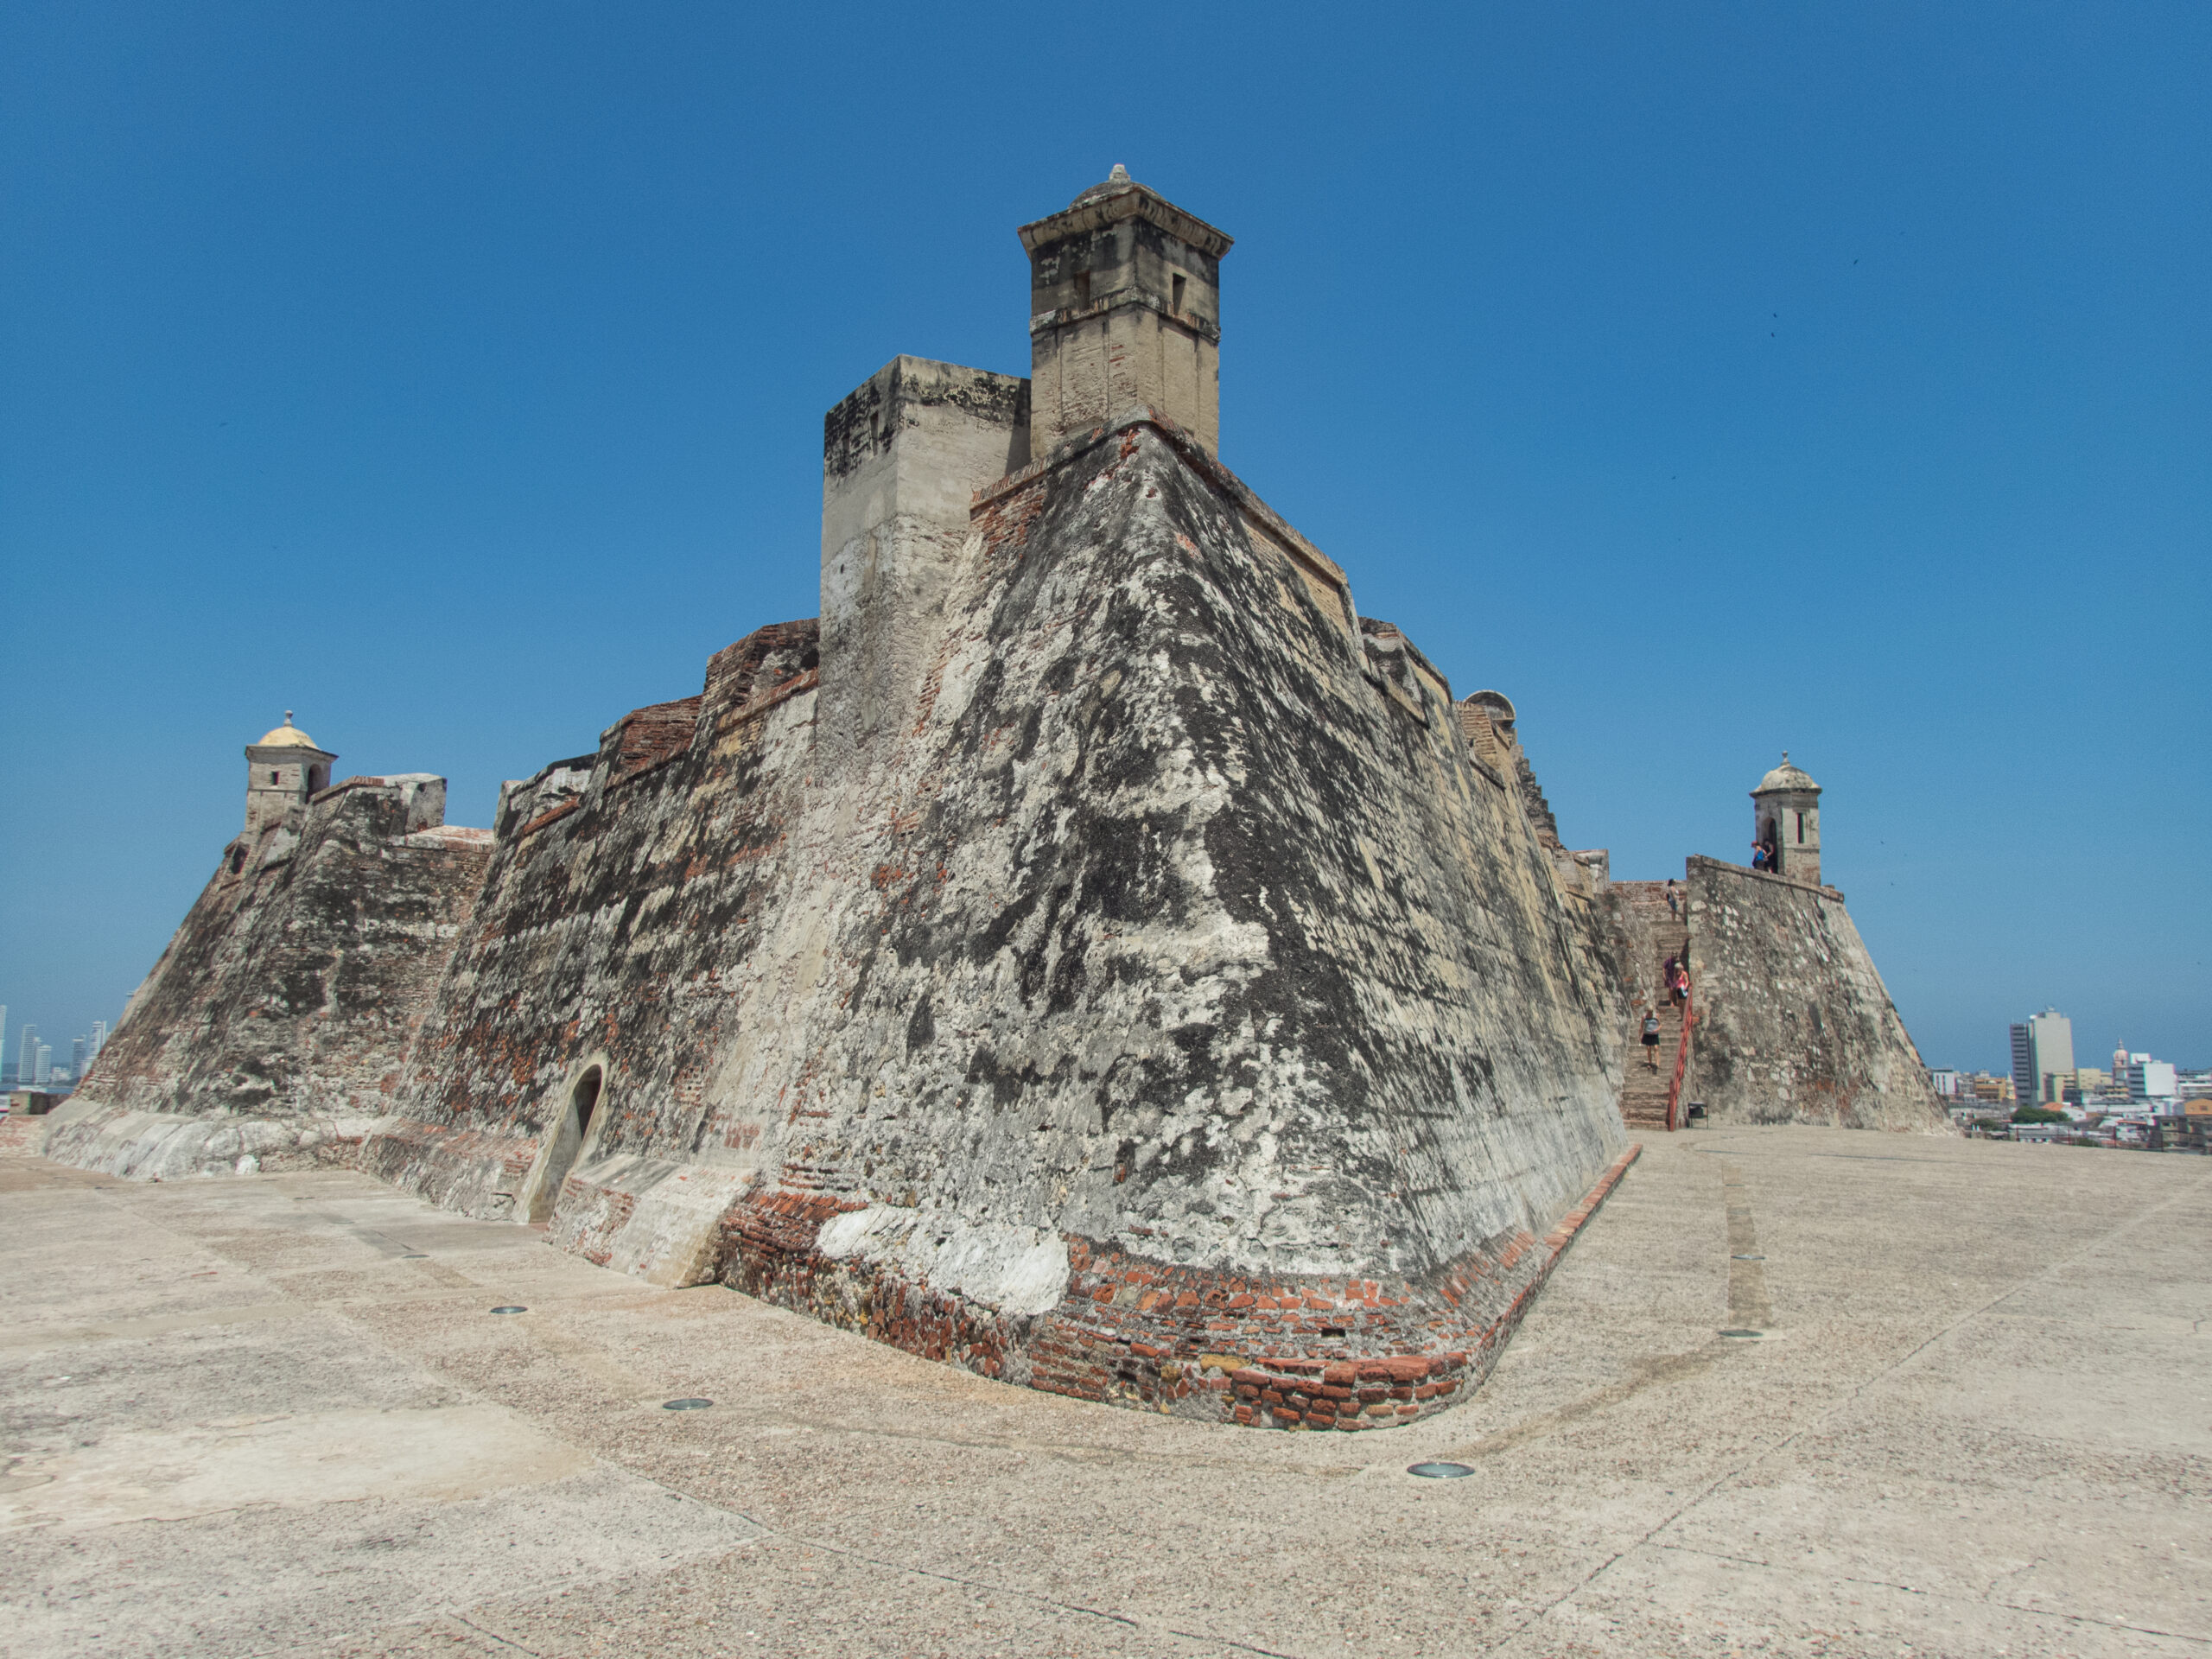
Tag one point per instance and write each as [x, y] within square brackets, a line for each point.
[1644, 1092]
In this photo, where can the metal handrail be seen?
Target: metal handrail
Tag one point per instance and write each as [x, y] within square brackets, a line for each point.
[1681, 1060]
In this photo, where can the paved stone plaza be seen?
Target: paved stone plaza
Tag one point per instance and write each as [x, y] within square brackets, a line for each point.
[274, 1416]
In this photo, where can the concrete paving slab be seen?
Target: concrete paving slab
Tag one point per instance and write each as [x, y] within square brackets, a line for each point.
[275, 1415]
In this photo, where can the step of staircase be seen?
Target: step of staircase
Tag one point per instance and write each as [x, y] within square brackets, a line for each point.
[1644, 1092]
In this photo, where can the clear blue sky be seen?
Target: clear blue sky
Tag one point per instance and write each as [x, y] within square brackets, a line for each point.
[1711, 378]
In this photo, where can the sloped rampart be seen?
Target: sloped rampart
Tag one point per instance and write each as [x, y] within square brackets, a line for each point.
[276, 1024]
[1795, 1024]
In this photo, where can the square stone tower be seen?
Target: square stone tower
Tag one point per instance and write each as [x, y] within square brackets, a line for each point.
[1124, 309]
[900, 458]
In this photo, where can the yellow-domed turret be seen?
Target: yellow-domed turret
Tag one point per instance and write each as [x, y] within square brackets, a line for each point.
[288, 736]
[282, 771]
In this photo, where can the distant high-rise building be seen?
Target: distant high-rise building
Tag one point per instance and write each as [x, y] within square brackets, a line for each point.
[4, 1072]
[45, 1063]
[100, 1037]
[2149, 1079]
[77, 1057]
[2043, 1058]
[27, 1055]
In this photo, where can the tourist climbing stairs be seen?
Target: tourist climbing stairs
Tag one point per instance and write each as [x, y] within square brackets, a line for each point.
[1646, 1095]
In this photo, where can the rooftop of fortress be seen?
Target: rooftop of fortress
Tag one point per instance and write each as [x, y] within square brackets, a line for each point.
[1089, 952]
[280, 1415]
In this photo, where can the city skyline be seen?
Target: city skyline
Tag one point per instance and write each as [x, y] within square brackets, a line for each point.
[27, 1058]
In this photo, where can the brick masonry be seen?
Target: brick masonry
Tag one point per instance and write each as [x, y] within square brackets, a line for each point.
[1020, 987]
[1272, 1352]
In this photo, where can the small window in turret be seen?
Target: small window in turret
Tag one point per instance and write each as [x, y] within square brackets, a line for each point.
[1175, 295]
[1082, 289]
[274, 778]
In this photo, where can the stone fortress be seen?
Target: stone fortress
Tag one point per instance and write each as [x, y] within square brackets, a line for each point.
[1089, 952]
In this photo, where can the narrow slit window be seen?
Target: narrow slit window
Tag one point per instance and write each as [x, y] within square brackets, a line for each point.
[1083, 288]
[1175, 296]
[273, 779]
[1800, 829]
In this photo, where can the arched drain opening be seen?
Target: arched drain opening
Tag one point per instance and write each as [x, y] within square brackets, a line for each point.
[566, 1138]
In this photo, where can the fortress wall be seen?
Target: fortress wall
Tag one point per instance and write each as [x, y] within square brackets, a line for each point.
[1181, 948]
[665, 922]
[1793, 1023]
[1168, 953]
[620, 925]
[1164, 1006]
[277, 1022]
[1635, 918]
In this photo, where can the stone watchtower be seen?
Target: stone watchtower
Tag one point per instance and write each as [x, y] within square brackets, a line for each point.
[1124, 309]
[282, 771]
[1786, 811]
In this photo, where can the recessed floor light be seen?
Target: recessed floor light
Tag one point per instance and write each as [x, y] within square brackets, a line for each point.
[511, 1309]
[1743, 1336]
[685, 1405]
[1438, 1471]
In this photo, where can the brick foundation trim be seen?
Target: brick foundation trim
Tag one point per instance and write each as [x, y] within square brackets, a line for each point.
[1267, 1352]
[473, 1171]
[768, 1252]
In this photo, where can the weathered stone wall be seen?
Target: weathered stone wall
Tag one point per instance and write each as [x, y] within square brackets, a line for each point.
[1191, 938]
[621, 925]
[1170, 941]
[1638, 922]
[1089, 952]
[900, 458]
[277, 1020]
[1793, 1023]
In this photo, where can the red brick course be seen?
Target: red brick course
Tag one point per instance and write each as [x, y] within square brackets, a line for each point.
[1294, 1351]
